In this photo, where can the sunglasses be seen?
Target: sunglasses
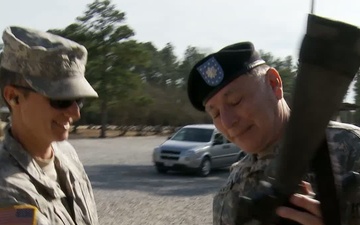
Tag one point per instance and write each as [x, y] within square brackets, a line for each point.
[57, 104]
[64, 104]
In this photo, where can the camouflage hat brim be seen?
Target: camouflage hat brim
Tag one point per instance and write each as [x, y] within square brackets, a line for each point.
[52, 65]
[70, 88]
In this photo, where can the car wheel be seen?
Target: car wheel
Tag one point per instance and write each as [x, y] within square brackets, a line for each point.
[161, 169]
[205, 167]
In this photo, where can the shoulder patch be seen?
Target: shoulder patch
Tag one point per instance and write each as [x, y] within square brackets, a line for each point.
[18, 215]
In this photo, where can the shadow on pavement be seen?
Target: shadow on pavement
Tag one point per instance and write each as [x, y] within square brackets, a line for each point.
[145, 178]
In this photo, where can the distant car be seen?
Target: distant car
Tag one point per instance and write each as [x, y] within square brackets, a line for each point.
[199, 147]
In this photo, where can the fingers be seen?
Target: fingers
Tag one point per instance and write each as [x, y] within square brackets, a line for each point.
[305, 218]
[307, 188]
[307, 203]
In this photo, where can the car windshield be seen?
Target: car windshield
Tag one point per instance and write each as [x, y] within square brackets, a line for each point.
[193, 134]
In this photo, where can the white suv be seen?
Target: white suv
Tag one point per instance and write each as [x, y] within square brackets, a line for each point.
[198, 147]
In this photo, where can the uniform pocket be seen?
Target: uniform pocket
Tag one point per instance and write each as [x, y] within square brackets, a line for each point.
[84, 201]
[227, 208]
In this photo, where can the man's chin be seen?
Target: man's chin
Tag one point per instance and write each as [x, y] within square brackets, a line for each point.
[247, 148]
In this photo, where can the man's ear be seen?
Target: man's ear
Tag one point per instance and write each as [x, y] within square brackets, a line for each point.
[274, 80]
[11, 95]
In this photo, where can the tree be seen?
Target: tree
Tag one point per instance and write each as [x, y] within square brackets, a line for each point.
[113, 56]
[191, 57]
[161, 69]
[286, 69]
[168, 60]
[106, 24]
[357, 97]
[150, 71]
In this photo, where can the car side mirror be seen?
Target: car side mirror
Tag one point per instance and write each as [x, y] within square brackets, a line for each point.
[168, 137]
[217, 142]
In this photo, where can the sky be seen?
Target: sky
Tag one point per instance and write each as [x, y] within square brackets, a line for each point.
[275, 26]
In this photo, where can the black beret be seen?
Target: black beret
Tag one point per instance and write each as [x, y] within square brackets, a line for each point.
[216, 70]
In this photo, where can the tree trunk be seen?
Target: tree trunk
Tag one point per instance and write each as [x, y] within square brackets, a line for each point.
[74, 130]
[103, 118]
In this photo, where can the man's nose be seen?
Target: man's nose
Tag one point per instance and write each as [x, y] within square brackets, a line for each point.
[228, 117]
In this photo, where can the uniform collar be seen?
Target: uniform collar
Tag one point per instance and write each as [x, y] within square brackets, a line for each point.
[267, 153]
[29, 165]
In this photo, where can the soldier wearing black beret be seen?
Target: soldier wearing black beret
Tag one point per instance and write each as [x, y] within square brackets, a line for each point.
[217, 70]
[244, 98]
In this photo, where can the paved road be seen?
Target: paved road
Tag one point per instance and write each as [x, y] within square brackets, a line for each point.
[129, 191]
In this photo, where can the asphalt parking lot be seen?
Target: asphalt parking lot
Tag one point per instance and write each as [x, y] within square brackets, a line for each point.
[128, 190]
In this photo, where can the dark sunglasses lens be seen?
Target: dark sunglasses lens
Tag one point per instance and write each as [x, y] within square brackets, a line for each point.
[63, 104]
[80, 102]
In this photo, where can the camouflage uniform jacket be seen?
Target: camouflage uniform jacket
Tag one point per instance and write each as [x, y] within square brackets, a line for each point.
[22, 181]
[344, 143]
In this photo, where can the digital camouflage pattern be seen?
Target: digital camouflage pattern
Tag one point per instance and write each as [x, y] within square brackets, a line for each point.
[245, 176]
[52, 65]
[22, 181]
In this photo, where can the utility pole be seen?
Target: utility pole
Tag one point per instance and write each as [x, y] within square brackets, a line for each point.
[312, 6]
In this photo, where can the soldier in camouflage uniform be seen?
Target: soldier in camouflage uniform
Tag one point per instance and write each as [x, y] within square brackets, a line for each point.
[244, 98]
[42, 82]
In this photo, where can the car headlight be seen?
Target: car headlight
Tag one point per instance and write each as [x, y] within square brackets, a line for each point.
[156, 153]
[190, 154]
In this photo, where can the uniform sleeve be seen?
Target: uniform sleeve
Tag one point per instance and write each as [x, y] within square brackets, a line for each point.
[12, 198]
[12, 208]
[346, 145]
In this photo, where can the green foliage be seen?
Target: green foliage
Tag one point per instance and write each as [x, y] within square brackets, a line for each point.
[1, 47]
[112, 58]
[286, 69]
[157, 106]
[357, 98]
[191, 57]
[137, 83]
[163, 64]
[168, 64]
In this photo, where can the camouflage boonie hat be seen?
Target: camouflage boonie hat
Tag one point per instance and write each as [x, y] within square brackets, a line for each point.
[51, 65]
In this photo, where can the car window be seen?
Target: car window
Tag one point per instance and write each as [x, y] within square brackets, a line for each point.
[226, 140]
[193, 134]
[219, 138]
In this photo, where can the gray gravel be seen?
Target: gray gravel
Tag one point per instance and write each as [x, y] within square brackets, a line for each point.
[129, 191]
